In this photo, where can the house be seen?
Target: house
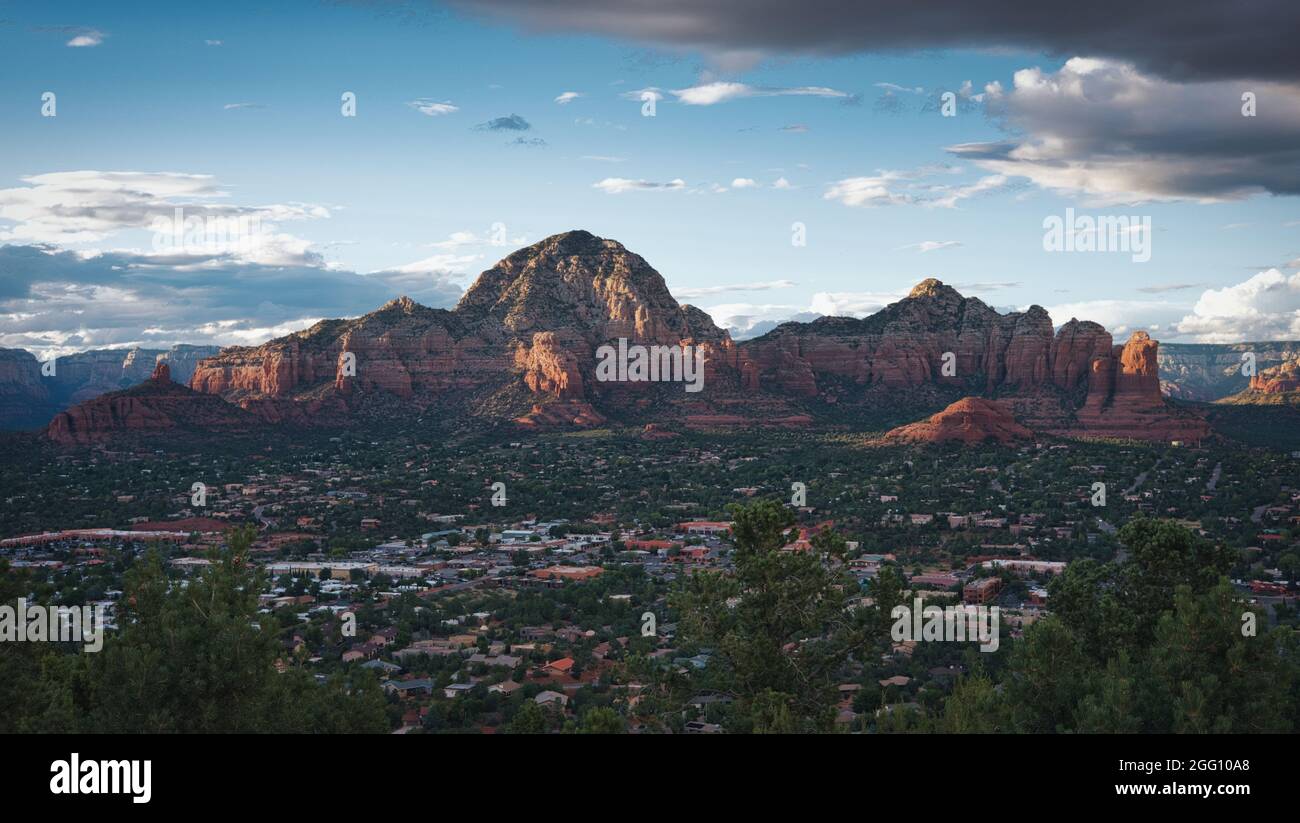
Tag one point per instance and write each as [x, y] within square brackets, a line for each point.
[454, 690]
[562, 666]
[506, 687]
[550, 698]
[700, 727]
[505, 661]
[706, 699]
[409, 688]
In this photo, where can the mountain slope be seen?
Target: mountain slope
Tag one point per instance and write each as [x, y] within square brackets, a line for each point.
[28, 398]
[156, 405]
[525, 341]
[1207, 372]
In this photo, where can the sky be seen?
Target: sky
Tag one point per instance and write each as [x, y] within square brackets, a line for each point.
[772, 161]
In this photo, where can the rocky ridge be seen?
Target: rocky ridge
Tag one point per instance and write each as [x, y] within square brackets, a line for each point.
[529, 328]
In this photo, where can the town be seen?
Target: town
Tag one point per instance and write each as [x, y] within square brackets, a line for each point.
[548, 607]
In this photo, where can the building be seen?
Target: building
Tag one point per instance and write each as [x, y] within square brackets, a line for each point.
[705, 527]
[340, 570]
[981, 591]
[567, 572]
[935, 580]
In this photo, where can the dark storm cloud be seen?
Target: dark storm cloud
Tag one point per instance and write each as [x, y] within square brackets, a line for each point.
[1178, 39]
[1105, 128]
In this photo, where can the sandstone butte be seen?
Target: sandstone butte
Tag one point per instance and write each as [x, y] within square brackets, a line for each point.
[969, 420]
[1283, 378]
[154, 406]
[520, 346]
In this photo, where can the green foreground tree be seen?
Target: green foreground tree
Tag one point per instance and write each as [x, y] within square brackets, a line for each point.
[778, 626]
[191, 656]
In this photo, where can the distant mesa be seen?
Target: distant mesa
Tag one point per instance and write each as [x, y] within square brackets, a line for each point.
[969, 420]
[1210, 372]
[1277, 385]
[1280, 379]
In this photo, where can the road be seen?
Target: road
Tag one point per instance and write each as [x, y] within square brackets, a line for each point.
[265, 521]
[1142, 478]
[1214, 477]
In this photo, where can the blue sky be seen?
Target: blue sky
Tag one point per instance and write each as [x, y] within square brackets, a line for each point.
[744, 143]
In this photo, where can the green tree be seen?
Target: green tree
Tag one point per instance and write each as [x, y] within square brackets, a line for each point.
[530, 719]
[602, 720]
[199, 658]
[778, 625]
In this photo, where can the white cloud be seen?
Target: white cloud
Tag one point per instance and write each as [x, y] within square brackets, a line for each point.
[745, 320]
[932, 245]
[433, 108]
[853, 304]
[568, 97]
[893, 188]
[1264, 307]
[1120, 317]
[86, 39]
[87, 206]
[743, 183]
[782, 183]
[619, 185]
[438, 263]
[868, 191]
[709, 94]
[641, 95]
[955, 194]
[705, 291]
[62, 300]
[897, 88]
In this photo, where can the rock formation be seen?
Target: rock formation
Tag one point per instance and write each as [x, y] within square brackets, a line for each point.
[1124, 399]
[28, 403]
[525, 336]
[156, 405]
[1279, 379]
[536, 318]
[905, 345]
[969, 420]
[1208, 372]
[25, 401]
[1275, 386]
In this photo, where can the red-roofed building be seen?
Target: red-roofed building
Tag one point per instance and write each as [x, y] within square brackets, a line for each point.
[562, 666]
[704, 527]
